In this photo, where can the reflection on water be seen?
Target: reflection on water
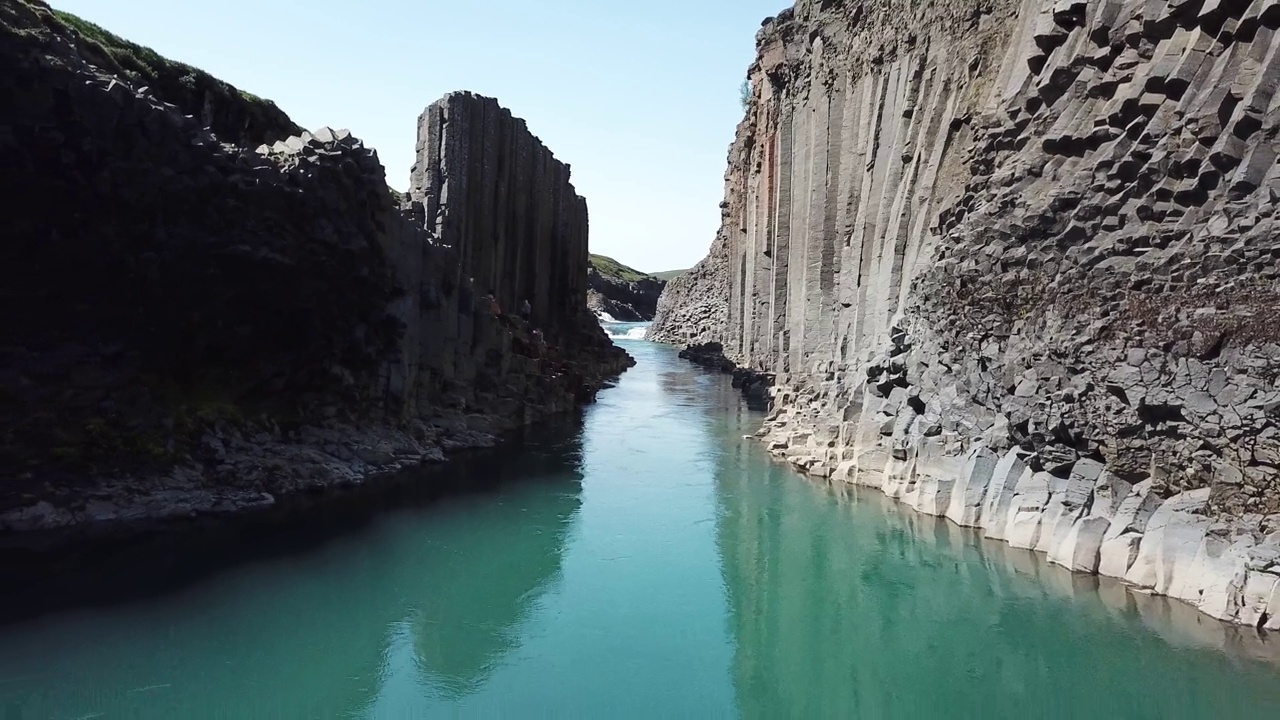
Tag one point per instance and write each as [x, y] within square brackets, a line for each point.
[646, 561]
[307, 634]
[479, 588]
[845, 603]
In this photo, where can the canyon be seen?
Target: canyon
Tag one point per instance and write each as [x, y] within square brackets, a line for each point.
[209, 309]
[999, 276]
[1015, 263]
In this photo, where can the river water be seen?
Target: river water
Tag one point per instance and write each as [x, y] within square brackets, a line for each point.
[645, 561]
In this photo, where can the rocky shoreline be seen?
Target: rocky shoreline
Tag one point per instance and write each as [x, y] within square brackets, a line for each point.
[247, 469]
[1089, 522]
[755, 385]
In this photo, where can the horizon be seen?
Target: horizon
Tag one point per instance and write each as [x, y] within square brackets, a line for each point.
[641, 102]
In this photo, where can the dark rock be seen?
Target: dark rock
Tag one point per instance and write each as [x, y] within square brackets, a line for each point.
[188, 315]
[624, 294]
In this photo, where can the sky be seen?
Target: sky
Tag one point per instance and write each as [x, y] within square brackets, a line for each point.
[640, 97]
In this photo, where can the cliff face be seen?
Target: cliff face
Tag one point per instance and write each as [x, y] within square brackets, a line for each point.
[496, 195]
[197, 325]
[623, 293]
[1015, 263]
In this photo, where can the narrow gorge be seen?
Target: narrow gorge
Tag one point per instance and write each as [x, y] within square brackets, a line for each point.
[1016, 264]
[285, 432]
[209, 309]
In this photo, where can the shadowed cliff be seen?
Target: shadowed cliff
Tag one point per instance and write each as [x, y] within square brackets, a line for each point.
[207, 309]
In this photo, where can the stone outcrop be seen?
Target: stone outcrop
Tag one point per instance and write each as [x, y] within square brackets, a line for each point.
[195, 325]
[623, 300]
[1015, 263]
[230, 113]
[496, 195]
[622, 293]
[694, 307]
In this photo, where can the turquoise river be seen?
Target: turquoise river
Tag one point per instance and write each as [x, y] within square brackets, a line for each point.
[642, 561]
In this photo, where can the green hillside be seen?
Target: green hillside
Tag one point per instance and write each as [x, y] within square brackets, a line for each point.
[232, 114]
[670, 275]
[609, 267]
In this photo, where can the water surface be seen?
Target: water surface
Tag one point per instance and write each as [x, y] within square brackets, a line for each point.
[647, 561]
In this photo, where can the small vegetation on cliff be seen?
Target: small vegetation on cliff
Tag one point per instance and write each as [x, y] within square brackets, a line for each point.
[234, 114]
[744, 93]
[612, 268]
[142, 62]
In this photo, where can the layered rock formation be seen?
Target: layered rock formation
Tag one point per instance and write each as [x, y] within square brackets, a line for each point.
[195, 325]
[1016, 264]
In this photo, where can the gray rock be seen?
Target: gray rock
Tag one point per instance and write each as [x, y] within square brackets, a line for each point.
[1077, 242]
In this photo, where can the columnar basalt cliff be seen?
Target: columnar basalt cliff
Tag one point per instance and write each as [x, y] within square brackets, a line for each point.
[1016, 263]
[505, 204]
[197, 325]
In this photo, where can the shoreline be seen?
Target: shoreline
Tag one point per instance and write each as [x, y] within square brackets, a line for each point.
[1224, 568]
[1181, 553]
[1179, 623]
[253, 472]
[142, 560]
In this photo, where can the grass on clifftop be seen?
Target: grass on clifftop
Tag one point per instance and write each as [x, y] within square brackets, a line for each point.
[609, 267]
[670, 275]
[187, 87]
[141, 61]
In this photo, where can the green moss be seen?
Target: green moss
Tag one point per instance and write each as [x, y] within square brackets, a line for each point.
[238, 116]
[141, 61]
[609, 267]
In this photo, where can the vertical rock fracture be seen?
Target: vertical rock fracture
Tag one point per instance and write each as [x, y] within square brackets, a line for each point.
[1016, 263]
[206, 308]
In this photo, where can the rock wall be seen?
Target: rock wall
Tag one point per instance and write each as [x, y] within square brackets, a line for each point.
[496, 195]
[694, 307]
[1015, 263]
[623, 299]
[198, 326]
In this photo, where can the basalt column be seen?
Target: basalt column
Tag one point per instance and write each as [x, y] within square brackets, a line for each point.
[489, 189]
[1015, 263]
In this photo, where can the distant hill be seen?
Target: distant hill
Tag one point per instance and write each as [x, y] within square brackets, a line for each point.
[620, 292]
[670, 275]
[609, 267]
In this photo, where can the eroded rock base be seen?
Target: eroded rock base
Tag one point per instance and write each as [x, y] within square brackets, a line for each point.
[1039, 235]
[1081, 516]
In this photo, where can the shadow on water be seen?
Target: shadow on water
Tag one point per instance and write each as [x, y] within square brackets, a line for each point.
[299, 606]
[168, 558]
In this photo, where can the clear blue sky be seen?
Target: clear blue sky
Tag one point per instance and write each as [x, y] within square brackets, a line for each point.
[639, 96]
